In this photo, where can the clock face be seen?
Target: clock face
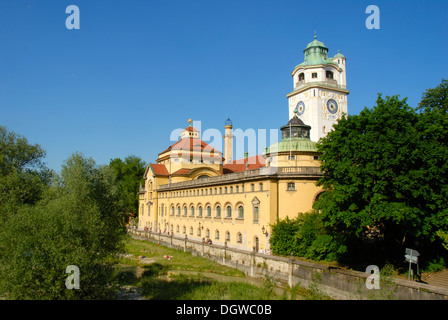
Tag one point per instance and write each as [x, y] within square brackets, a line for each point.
[300, 108]
[332, 106]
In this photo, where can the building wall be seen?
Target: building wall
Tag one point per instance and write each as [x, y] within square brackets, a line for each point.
[270, 195]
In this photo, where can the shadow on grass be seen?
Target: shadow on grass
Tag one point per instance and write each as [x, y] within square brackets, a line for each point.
[172, 289]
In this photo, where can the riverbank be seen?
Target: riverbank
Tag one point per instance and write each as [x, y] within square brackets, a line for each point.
[150, 271]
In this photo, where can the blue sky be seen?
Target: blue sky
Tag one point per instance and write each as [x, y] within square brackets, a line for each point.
[138, 69]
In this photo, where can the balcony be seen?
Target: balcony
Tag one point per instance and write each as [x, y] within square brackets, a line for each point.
[245, 175]
[327, 82]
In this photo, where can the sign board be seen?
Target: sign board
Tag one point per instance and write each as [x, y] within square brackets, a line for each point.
[412, 259]
[411, 255]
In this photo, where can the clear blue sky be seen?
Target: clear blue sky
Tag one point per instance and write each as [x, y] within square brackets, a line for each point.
[138, 69]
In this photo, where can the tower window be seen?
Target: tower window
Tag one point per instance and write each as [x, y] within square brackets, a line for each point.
[314, 75]
[301, 76]
[329, 74]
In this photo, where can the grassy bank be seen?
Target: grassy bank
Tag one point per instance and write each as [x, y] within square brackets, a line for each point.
[186, 277]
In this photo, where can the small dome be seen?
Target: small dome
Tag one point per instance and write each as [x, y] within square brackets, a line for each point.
[293, 145]
[228, 122]
[339, 55]
[315, 43]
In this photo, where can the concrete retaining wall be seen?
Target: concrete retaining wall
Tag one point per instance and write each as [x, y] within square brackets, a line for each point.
[336, 282]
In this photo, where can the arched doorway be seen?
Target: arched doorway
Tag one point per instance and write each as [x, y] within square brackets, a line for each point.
[256, 244]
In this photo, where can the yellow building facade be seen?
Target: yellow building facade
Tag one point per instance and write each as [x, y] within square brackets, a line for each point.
[189, 191]
[192, 190]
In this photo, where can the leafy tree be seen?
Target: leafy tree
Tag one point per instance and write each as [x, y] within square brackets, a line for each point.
[381, 183]
[434, 129]
[23, 174]
[129, 174]
[283, 240]
[306, 237]
[75, 224]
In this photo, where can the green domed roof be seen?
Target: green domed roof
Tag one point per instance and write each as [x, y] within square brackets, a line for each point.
[339, 55]
[293, 144]
[315, 43]
[316, 54]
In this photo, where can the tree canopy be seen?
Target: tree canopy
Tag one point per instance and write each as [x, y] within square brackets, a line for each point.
[385, 175]
[75, 223]
[129, 173]
[23, 174]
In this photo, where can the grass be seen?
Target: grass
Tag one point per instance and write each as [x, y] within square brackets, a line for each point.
[162, 279]
[180, 260]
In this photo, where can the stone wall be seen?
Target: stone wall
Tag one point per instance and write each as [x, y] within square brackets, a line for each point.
[338, 283]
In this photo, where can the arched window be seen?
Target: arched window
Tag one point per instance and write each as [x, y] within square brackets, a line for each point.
[191, 231]
[172, 210]
[209, 211]
[200, 211]
[229, 212]
[192, 211]
[218, 212]
[178, 211]
[184, 231]
[329, 74]
[228, 236]
[301, 76]
[217, 234]
[177, 228]
[240, 212]
[239, 237]
[207, 233]
[185, 211]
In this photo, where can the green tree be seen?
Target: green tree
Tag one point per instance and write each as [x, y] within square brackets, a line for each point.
[23, 174]
[434, 129]
[74, 224]
[129, 174]
[379, 180]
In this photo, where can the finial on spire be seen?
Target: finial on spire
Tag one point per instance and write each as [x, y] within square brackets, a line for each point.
[315, 36]
[189, 121]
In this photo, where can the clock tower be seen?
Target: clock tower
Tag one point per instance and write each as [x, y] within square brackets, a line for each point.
[320, 89]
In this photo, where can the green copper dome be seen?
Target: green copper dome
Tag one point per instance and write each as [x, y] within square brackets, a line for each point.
[339, 55]
[316, 43]
[293, 145]
[295, 137]
[316, 53]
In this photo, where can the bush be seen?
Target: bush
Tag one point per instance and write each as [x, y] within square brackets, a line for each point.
[305, 236]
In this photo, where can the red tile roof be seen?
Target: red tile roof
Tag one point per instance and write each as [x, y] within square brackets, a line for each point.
[255, 162]
[192, 144]
[182, 172]
[191, 129]
[159, 169]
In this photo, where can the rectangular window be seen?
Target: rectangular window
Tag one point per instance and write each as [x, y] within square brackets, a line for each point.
[256, 214]
[314, 75]
[261, 187]
[291, 186]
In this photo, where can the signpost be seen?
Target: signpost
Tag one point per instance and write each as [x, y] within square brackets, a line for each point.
[412, 257]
